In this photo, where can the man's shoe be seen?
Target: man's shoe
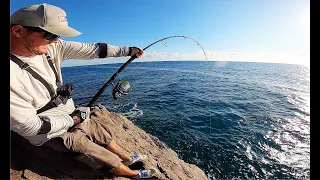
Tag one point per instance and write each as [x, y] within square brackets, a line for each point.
[135, 158]
[146, 173]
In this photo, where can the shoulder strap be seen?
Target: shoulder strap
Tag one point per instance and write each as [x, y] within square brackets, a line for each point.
[53, 69]
[26, 67]
[55, 100]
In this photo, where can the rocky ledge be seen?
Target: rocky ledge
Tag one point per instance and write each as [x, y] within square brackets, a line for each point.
[31, 162]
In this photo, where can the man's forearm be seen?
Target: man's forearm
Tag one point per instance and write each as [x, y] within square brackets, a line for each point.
[117, 51]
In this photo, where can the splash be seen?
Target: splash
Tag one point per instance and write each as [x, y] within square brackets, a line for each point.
[133, 113]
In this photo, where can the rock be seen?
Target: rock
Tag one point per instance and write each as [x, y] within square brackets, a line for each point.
[32, 162]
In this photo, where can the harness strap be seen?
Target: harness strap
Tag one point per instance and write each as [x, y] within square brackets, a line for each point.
[55, 99]
[54, 69]
[54, 102]
[26, 67]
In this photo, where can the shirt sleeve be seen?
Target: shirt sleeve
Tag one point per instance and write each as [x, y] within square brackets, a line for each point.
[23, 116]
[87, 51]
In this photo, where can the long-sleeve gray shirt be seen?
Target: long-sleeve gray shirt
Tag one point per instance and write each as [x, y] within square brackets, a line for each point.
[28, 94]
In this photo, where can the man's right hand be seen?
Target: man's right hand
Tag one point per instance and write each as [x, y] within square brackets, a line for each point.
[136, 51]
[80, 114]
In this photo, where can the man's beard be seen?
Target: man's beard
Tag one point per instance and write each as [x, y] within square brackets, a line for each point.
[29, 45]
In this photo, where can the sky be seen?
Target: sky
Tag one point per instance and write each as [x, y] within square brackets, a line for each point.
[272, 31]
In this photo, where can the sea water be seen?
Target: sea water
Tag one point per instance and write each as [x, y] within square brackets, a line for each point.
[234, 120]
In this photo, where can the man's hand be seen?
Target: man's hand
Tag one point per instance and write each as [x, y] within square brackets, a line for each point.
[80, 114]
[136, 51]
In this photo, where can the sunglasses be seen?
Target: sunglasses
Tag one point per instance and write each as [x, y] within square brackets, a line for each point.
[49, 36]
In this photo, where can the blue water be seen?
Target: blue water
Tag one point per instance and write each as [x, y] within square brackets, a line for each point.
[237, 120]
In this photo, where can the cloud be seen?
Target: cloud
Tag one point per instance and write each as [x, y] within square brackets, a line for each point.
[268, 57]
[302, 58]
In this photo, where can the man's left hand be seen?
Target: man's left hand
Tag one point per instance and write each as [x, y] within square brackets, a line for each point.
[80, 114]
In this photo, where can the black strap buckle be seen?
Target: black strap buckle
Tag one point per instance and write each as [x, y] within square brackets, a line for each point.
[24, 66]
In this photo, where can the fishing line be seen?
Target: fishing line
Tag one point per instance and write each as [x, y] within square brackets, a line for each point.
[123, 66]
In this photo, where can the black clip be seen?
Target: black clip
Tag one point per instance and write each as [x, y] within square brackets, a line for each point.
[24, 66]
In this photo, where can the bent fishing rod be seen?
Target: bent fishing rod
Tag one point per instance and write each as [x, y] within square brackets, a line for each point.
[110, 81]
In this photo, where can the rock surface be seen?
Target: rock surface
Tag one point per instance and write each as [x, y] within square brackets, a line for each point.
[31, 162]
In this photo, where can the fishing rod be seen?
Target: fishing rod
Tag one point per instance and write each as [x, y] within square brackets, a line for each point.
[125, 85]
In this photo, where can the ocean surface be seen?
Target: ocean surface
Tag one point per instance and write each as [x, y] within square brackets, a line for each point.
[234, 120]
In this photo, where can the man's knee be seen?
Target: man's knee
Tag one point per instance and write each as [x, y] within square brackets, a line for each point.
[77, 142]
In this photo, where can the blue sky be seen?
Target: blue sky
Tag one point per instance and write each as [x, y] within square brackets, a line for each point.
[276, 31]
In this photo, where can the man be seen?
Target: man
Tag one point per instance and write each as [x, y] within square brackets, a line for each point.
[41, 107]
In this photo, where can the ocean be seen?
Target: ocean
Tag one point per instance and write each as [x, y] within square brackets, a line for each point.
[234, 120]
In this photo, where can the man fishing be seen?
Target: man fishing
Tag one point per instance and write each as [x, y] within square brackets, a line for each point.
[41, 106]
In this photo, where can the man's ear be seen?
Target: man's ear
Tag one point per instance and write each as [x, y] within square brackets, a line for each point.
[17, 30]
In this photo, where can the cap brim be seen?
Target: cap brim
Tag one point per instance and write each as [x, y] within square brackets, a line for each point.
[62, 31]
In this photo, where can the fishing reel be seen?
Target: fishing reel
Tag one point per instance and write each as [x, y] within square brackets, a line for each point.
[121, 88]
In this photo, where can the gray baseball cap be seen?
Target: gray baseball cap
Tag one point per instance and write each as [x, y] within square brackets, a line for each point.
[45, 16]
